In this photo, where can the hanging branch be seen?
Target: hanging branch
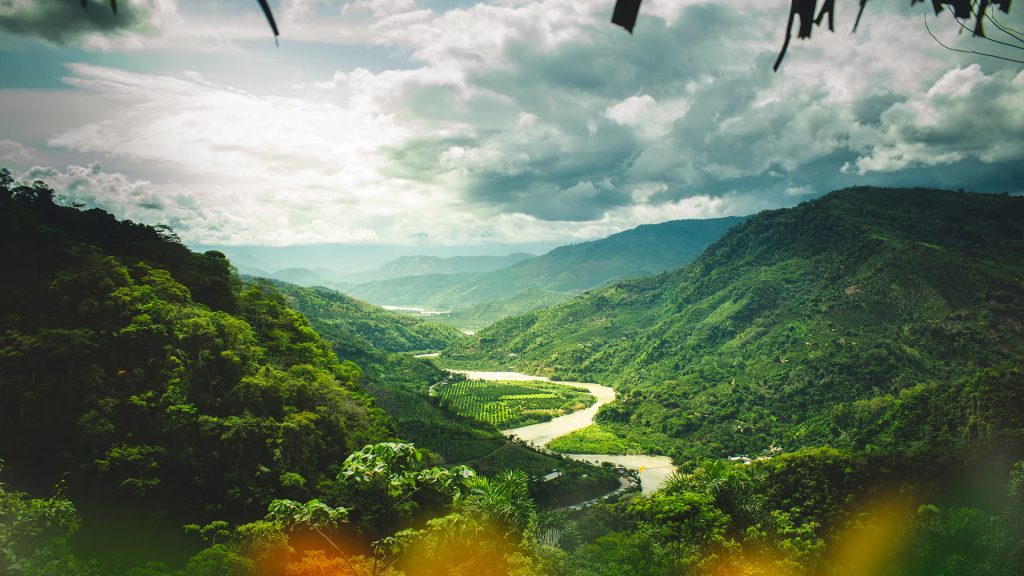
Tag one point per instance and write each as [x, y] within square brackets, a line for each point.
[805, 9]
[626, 11]
[950, 48]
[270, 19]
[266, 12]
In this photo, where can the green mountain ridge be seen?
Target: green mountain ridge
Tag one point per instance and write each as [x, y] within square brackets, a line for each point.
[564, 271]
[824, 323]
[383, 329]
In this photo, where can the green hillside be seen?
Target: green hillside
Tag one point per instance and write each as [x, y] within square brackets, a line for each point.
[149, 378]
[350, 318]
[868, 318]
[564, 271]
[400, 384]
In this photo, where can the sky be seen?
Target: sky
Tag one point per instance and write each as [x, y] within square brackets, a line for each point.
[440, 123]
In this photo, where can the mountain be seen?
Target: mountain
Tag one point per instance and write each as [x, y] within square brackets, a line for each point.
[421, 265]
[868, 318]
[400, 384]
[345, 259]
[566, 270]
[301, 276]
[380, 328]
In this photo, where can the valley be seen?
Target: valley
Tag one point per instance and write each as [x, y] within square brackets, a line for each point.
[652, 471]
[162, 411]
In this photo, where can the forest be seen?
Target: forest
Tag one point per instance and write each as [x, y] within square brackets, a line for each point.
[859, 357]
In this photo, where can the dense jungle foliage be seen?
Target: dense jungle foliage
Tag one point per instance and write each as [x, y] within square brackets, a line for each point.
[135, 405]
[205, 396]
[160, 417]
[353, 320]
[869, 319]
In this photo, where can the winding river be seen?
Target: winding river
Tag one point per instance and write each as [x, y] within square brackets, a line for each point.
[653, 470]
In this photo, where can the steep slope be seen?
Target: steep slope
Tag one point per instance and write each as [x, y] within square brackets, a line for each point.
[370, 337]
[151, 380]
[400, 383]
[566, 270]
[351, 319]
[890, 318]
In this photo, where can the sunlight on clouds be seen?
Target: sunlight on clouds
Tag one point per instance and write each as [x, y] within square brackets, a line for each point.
[537, 119]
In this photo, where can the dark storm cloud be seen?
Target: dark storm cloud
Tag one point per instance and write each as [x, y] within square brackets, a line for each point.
[574, 163]
[65, 22]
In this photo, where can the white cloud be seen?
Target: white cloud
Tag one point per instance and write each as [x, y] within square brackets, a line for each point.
[536, 118]
[380, 8]
[137, 200]
[965, 113]
[12, 152]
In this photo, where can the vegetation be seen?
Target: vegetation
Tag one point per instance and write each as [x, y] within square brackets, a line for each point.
[813, 511]
[834, 322]
[479, 316]
[476, 300]
[400, 384]
[349, 319]
[593, 440]
[512, 404]
[202, 397]
[160, 417]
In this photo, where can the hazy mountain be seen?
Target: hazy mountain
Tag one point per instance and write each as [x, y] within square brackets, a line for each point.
[343, 259]
[566, 270]
[301, 276]
[420, 265]
[833, 322]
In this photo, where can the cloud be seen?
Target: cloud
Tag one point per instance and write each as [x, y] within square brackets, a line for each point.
[137, 200]
[965, 113]
[381, 8]
[12, 152]
[537, 119]
[64, 22]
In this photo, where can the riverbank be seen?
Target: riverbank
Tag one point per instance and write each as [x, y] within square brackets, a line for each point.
[653, 471]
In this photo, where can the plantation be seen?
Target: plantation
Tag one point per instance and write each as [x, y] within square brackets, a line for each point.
[512, 404]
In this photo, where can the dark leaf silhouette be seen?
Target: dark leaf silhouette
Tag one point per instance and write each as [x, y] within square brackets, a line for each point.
[829, 7]
[270, 18]
[804, 9]
[961, 8]
[625, 13]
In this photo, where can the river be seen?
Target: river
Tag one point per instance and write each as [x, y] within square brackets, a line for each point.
[653, 470]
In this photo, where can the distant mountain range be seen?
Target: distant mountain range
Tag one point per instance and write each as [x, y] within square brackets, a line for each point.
[867, 319]
[477, 299]
[420, 265]
[403, 266]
